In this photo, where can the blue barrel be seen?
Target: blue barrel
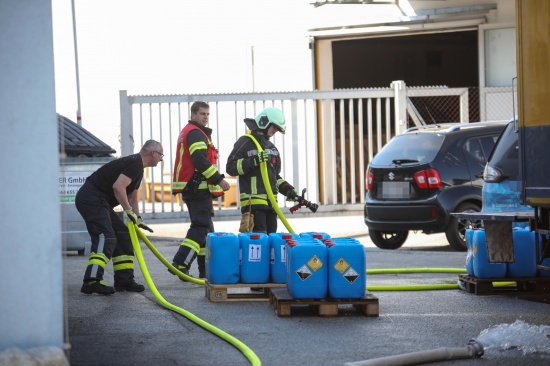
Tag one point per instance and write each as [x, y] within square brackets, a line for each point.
[482, 267]
[470, 252]
[222, 258]
[307, 265]
[278, 255]
[347, 268]
[254, 257]
[525, 256]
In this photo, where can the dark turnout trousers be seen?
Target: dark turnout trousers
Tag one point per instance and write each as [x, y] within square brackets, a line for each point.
[200, 214]
[109, 235]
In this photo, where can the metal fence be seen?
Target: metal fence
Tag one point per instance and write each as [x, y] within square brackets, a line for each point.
[331, 135]
[438, 104]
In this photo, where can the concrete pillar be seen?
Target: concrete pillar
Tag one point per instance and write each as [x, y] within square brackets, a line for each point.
[31, 273]
[126, 125]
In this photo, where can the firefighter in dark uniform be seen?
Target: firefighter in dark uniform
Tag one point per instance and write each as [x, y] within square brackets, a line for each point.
[115, 183]
[196, 177]
[245, 161]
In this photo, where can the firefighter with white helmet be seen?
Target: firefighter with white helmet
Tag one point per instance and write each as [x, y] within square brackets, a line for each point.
[244, 162]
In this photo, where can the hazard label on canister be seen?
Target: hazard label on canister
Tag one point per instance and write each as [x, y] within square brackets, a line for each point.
[351, 275]
[341, 265]
[303, 272]
[315, 263]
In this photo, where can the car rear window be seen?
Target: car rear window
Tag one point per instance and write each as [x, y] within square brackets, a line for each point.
[414, 148]
[480, 147]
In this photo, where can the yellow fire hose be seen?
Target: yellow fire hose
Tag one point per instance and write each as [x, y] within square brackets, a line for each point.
[265, 179]
[415, 270]
[247, 352]
[442, 286]
[165, 262]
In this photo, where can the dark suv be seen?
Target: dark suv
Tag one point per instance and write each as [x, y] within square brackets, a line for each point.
[423, 175]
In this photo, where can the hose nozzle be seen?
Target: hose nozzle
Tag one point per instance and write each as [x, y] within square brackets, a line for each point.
[476, 347]
[313, 207]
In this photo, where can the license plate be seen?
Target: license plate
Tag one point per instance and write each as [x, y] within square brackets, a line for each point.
[395, 190]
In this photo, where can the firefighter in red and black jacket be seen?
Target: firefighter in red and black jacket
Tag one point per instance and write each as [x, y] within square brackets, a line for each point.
[196, 177]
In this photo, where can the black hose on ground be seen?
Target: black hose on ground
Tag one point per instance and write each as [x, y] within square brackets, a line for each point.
[473, 350]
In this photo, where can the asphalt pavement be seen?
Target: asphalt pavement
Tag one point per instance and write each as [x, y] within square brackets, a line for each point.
[134, 329]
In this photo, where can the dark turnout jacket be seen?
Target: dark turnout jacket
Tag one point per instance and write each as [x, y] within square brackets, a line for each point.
[241, 163]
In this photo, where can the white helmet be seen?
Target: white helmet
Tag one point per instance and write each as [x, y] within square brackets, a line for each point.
[270, 116]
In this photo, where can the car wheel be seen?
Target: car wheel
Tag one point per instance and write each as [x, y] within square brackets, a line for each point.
[387, 239]
[456, 231]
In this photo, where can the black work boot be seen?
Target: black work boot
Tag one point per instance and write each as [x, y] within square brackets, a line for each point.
[124, 281]
[130, 286]
[181, 268]
[97, 287]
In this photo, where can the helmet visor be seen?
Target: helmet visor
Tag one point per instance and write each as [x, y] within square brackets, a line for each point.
[281, 130]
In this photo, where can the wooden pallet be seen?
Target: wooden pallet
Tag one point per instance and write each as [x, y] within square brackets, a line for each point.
[239, 291]
[520, 286]
[282, 303]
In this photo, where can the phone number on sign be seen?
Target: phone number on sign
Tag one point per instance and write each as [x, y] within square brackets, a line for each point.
[68, 192]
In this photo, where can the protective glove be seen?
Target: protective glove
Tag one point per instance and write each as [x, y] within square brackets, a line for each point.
[260, 158]
[132, 215]
[142, 225]
[292, 195]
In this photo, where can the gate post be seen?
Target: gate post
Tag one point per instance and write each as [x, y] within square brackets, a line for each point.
[126, 125]
[400, 105]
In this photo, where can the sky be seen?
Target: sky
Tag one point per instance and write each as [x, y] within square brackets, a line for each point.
[182, 47]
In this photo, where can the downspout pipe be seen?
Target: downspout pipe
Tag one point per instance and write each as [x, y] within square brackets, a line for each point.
[473, 350]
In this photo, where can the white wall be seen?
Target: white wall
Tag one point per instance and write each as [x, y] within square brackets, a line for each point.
[31, 286]
[497, 36]
[505, 13]
[499, 50]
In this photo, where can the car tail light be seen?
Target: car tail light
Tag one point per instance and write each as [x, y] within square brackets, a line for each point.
[491, 174]
[428, 179]
[369, 180]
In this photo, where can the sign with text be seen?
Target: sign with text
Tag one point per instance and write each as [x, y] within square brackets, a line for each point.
[69, 184]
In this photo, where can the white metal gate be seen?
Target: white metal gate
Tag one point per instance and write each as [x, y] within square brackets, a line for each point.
[331, 137]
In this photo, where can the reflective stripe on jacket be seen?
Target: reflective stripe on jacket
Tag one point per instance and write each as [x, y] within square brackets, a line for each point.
[240, 163]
